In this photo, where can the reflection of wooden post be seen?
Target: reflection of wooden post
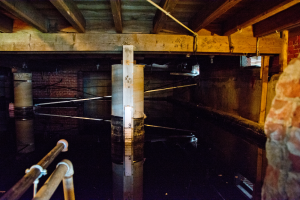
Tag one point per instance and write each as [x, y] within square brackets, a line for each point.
[284, 51]
[259, 175]
[264, 88]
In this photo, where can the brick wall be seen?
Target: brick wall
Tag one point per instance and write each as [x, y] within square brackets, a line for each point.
[294, 47]
[58, 124]
[62, 84]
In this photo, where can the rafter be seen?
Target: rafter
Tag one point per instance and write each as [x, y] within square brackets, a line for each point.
[202, 20]
[232, 28]
[26, 12]
[287, 19]
[6, 24]
[117, 15]
[71, 12]
[160, 17]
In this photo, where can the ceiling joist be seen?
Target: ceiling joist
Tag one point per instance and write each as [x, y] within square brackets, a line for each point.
[6, 24]
[117, 15]
[201, 21]
[287, 19]
[232, 27]
[26, 12]
[71, 12]
[160, 17]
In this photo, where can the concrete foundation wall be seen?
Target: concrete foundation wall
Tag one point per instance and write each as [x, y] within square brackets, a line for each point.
[236, 91]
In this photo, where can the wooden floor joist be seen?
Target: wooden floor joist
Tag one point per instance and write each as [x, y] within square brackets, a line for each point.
[88, 42]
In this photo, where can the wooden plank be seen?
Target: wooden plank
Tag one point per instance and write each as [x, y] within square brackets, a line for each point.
[117, 15]
[89, 42]
[284, 51]
[264, 78]
[71, 12]
[128, 85]
[6, 24]
[202, 21]
[27, 13]
[160, 17]
[257, 18]
[286, 19]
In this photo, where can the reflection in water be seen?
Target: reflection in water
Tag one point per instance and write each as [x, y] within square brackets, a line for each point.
[178, 166]
[127, 170]
[24, 134]
[127, 160]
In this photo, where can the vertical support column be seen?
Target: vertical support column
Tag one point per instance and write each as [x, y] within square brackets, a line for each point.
[284, 51]
[128, 120]
[128, 92]
[23, 91]
[264, 72]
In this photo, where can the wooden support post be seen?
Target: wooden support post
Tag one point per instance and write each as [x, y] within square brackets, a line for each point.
[283, 56]
[264, 88]
[128, 92]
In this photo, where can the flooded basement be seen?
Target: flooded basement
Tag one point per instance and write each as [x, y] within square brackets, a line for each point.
[199, 160]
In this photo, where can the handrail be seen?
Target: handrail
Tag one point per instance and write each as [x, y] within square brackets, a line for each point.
[24, 183]
[64, 171]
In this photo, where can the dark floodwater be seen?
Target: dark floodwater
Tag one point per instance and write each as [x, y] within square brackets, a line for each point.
[174, 164]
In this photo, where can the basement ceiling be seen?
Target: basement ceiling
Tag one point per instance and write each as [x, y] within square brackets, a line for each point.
[139, 16]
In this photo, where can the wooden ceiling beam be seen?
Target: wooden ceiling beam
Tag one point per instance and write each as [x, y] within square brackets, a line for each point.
[89, 42]
[201, 21]
[26, 12]
[117, 15]
[287, 19]
[70, 11]
[259, 17]
[6, 24]
[160, 17]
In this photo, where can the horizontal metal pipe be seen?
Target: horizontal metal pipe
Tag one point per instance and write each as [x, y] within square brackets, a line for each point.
[169, 88]
[96, 119]
[74, 117]
[56, 102]
[23, 184]
[175, 129]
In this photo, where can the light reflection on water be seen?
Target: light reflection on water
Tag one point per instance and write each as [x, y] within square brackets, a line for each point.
[170, 164]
